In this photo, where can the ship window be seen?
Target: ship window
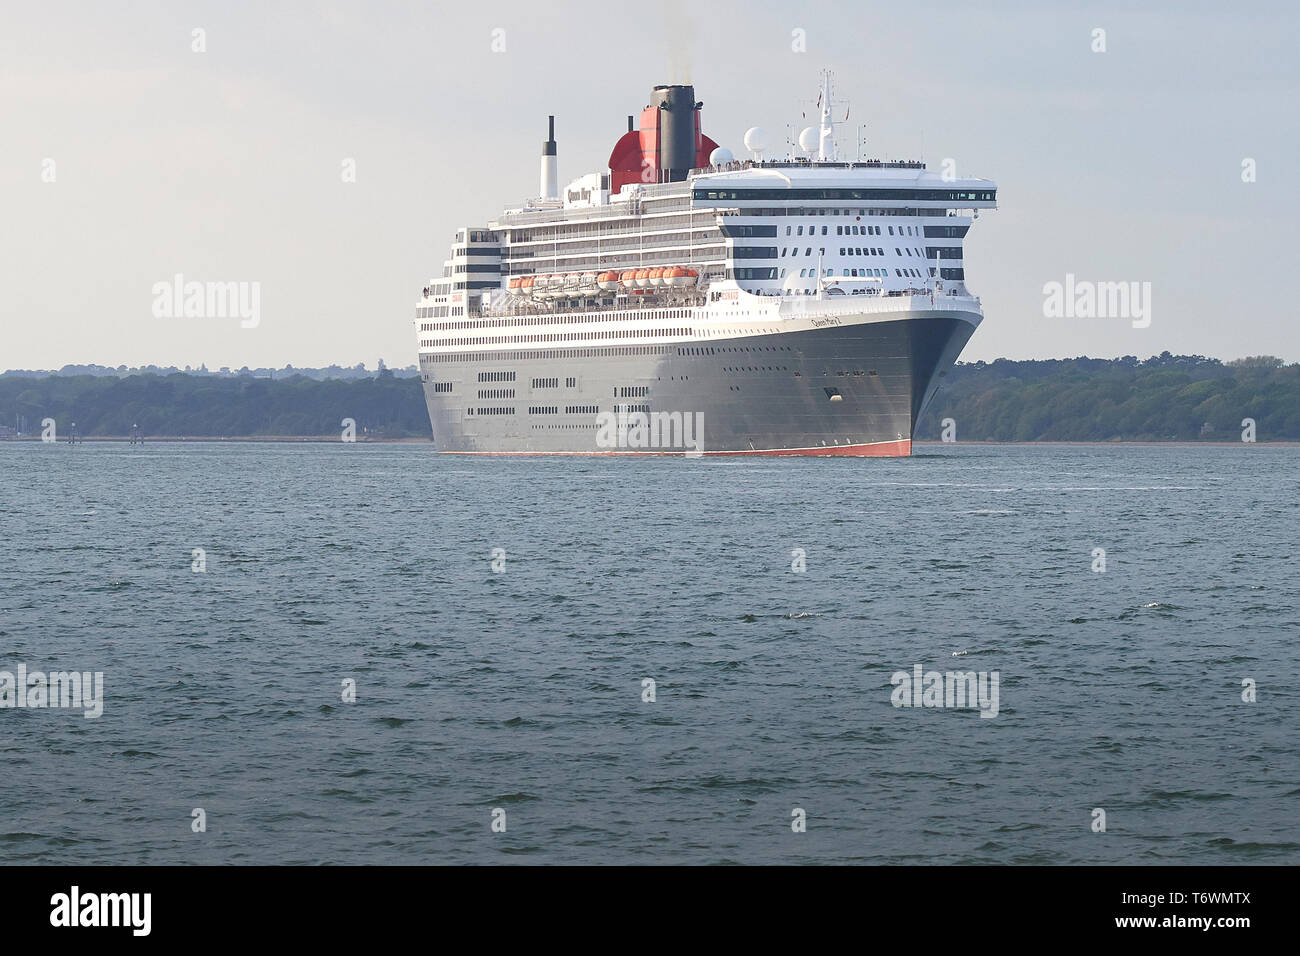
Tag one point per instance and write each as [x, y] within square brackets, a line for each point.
[800, 231]
[807, 252]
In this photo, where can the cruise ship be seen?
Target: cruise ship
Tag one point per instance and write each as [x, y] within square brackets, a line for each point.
[686, 301]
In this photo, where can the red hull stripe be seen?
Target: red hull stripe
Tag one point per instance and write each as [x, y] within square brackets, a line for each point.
[880, 449]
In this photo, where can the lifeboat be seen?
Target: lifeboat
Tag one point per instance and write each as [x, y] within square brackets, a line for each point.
[628, 279]
[526, 286]
[680, 276]
[607, 281]
[513, 285]
[572, 282]
[643, 278]
[656, 276]
[589, 281]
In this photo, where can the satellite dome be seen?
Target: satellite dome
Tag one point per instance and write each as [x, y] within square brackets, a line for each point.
[720, 156]
[756, 140]
[808, 139]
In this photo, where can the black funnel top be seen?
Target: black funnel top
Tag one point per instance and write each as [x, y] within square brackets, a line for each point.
[676, 106]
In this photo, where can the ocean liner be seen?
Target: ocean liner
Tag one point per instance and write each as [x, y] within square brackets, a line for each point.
[684, 301]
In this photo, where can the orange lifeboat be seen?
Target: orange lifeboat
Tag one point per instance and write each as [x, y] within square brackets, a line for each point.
[656, 276]
[643, 278]
[627, 279]
[607, 281]
[680, 276]
[514, 284]
[526, 285]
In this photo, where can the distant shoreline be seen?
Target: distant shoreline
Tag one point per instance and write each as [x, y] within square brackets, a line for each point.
[1180, 443]
[208, 440]
[335, 440]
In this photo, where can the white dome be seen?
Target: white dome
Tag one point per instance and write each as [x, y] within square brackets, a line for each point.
[756, 140]
[720, 155]
[809, 138]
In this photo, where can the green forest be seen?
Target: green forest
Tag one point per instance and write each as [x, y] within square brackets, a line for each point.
[191, 406]
[1163, 398]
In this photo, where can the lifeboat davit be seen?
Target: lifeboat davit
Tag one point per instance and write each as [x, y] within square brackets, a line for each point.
[656, 276]
[643, 278]
[680, 276]
[608, 281]
[628, 279]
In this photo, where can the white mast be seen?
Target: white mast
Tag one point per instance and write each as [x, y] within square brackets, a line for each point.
[826, 150]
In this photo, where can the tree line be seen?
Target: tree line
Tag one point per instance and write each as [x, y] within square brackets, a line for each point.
[180, 405]
[1163, 398]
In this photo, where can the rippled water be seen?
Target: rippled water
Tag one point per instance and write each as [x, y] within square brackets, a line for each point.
[523, 690]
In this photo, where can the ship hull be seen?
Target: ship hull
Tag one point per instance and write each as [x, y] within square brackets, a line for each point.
[855, 389]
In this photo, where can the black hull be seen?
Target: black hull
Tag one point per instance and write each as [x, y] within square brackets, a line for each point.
[856, 388]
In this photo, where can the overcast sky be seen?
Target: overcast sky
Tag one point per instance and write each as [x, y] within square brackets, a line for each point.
[226, 165]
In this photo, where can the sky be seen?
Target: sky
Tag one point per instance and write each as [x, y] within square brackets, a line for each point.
[127, 156]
